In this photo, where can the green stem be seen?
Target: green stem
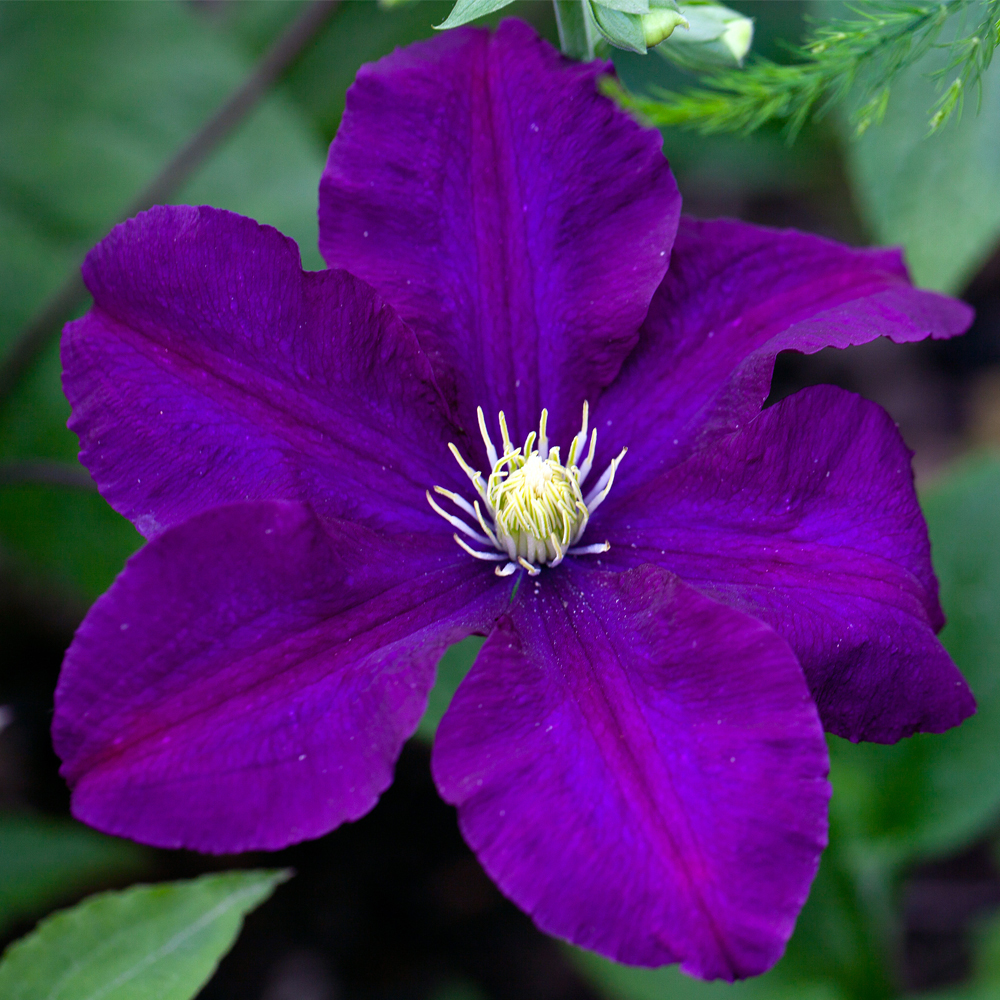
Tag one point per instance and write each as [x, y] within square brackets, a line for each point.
[577, 31]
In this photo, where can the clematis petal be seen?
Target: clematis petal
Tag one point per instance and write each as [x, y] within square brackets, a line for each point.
[249, 679]
[642, 770]
[736, 295]
[212, 369]
[515, 218]
[807, 519]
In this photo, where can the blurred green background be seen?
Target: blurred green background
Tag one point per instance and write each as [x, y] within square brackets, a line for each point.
[95, 99]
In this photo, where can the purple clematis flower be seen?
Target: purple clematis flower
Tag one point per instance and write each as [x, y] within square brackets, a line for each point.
[674, 610]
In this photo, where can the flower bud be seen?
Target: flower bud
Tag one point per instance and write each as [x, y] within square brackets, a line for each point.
[658, 25]
[717, 37]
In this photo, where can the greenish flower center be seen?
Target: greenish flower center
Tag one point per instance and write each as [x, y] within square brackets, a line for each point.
[534, 501]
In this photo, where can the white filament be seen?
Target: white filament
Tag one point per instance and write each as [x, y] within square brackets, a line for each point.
[535, 502]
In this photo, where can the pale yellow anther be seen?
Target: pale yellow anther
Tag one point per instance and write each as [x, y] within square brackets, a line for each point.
[535, 501]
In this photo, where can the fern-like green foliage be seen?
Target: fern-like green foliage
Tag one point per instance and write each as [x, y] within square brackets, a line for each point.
[869, 49]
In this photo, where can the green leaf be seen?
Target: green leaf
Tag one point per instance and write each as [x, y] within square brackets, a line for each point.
[936, 195]
[70, 538]
[105, 96]
[357, 33]
[152, 942]
[623, 982]
[622, 30]
[626, 6]
[468, 10]
[44, 862]
[451, 671]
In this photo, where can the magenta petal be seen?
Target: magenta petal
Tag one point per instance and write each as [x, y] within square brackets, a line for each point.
[515, 218]
[249, 679]
[212, 369]
[642, 770]
[808, 520]
[736, 295]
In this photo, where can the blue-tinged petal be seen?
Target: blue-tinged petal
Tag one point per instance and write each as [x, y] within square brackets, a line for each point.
[212, 369]
[807, 519]
[736, 295]
[642, 770]
[513, 216]
[249, 679]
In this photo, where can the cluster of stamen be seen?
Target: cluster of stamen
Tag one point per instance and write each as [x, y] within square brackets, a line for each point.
[534, 502]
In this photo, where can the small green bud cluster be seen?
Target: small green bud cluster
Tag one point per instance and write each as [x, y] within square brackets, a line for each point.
[711, 35]
[716, 37]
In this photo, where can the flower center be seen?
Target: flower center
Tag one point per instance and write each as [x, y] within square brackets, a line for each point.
[535, 502]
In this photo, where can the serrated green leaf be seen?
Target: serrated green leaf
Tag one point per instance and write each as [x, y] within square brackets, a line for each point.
[46, 861]
[468, 10]
[934, 194]
[153, 942]
[622, 30]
